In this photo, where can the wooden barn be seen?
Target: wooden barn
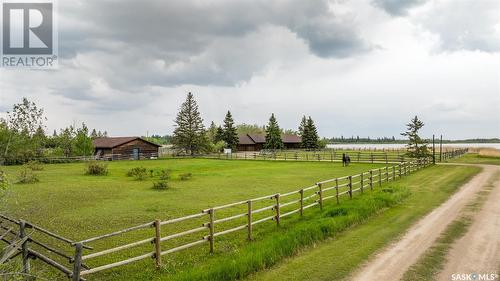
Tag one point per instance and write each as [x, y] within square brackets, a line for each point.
[255, 142]
[124, 148]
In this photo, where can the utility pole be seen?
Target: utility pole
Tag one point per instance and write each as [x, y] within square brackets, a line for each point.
[433, 150]
[441, 149]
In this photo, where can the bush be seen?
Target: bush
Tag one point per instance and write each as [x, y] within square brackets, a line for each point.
[4, 181]
[34, 165]
[26, 175]
[139, 173]
[185, 176]
[164, 174]
[160, 185]
[95, 168]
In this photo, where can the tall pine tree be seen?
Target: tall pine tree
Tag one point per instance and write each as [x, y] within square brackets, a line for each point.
[416, 147]
[230, 136]
[189, 133]
[312, 134]
[273, 135]
[302, 131]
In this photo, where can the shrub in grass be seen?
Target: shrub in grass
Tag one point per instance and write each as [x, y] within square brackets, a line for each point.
[139, 173]
[26, 175]
[185, 176]
[161, 185]
[34, 165]
[4, 181]
[96, 168]
[164, 174]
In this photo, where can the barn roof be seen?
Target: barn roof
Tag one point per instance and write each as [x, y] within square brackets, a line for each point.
[257, 138]
[116, 141]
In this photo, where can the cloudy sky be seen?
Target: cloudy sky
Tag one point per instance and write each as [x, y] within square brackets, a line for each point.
[357, 67]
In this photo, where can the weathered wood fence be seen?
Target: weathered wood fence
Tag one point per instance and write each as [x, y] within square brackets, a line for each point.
[273, 207]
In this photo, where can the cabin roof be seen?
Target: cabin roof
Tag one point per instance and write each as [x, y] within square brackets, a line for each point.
[117, 141]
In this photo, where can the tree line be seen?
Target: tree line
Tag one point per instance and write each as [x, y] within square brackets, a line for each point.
[22, 136]
[191, 137]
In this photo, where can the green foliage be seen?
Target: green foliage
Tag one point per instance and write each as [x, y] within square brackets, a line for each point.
[255, 129]
[273, 135]
[219, 135]
[212, 132]
[4, 181]
[96, 168]
[189, 133]
[139, 173]
[27, 175]
[75, 141]
[309, 134]
[165, 174]
[34, 165]
[161, 185]
[230, 136]
[185, 176]
[416, 147]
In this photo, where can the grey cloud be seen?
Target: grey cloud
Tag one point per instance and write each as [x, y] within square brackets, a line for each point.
[185, 33]
[464, 25]
[397, 7]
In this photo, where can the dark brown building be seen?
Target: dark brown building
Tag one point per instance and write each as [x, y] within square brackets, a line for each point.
[254, 142]
[125, 148]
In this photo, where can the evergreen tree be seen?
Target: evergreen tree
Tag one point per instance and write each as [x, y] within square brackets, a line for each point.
[273, 135]
[312, 134]
[302, 132]
[230, 135]
[219, 135]
[212, 132]
[94, 134]
[189, 133]
[416, 147]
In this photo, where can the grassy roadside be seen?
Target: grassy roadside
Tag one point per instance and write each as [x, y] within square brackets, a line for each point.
[474, 158]
[434, 259]
[338, 257]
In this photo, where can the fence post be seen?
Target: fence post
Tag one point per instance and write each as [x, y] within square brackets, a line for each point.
[362, 182]
[157, 243]
[350, 187]
[277, 196]
[301, 202]
[211, 213]
[320, 193]
[379, 177]
[337, 189]
[24, 247]
[249, 215]
[371, 179]
[399, 167]
[77, 265]
[386, 174]
[393, 173]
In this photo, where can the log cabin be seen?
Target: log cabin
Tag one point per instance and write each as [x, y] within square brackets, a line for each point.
[255, 142]
[134, 148]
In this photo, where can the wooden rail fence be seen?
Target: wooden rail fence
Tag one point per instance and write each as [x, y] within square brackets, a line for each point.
[251, 212]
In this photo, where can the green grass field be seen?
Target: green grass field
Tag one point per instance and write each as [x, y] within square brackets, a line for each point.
[79, 206]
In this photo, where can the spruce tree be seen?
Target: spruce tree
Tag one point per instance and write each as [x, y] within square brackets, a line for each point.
[230, 136]
[212, 132]
[273, 135]
[189, 133]
[312, 132]
[302, 132]
[219, 134]
[416, 147]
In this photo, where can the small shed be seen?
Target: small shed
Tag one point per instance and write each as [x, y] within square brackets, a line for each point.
[124, 148]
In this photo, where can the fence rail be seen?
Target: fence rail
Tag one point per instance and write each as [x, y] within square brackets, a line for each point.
[216, 221]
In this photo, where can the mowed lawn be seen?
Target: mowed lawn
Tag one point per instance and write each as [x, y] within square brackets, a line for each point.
[66, 200]
[78, 206]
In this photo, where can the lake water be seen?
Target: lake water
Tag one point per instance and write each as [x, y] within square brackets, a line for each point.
[402, 145]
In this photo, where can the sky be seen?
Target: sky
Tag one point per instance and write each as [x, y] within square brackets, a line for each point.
[356, 67]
